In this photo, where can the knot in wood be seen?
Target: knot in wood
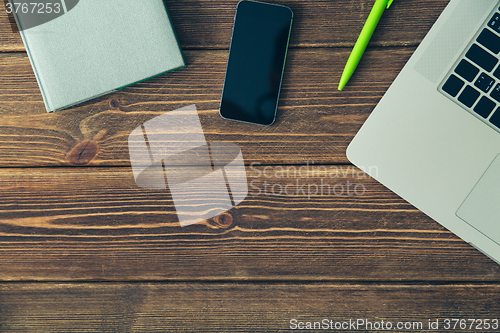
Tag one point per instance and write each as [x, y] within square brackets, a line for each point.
[83, 153]
[114, 103]
[224, 220]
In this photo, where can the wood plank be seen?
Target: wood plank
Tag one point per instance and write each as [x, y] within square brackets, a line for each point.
[10, 40]
[315, 122]
[208, 24]
[202, 307]
[65, 224]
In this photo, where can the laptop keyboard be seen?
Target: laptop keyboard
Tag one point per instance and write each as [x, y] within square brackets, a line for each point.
[474, 82]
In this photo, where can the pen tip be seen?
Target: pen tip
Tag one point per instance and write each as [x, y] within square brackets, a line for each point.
[343, 82]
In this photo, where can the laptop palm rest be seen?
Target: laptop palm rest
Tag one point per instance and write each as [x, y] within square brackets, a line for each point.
[481, 208]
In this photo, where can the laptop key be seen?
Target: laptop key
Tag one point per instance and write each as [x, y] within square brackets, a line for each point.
[484, 82]
[496, 73]
[466, 70]
[494, 23]
[469, 96]
[484, 107]
[453, 85]
[489, 40]
[481, 58]
[495, 118]
[495, 93]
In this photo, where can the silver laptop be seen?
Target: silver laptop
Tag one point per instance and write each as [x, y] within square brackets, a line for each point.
[434, 138]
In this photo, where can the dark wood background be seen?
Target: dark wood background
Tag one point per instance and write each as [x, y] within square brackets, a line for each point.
[82, 248]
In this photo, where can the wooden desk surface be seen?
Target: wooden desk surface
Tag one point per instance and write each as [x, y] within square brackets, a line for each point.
[84, 249]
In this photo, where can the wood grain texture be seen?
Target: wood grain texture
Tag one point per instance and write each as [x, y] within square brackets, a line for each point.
[322, 224]
[71, 213]
[315, 122]
[198, 307]
[208, 24]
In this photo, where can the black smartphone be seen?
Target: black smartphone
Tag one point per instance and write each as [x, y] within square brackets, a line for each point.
[256, 62]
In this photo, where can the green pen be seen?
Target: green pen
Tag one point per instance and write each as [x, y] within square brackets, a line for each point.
[363, 39]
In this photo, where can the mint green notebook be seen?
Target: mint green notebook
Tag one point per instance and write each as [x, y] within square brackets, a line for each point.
[99, 46]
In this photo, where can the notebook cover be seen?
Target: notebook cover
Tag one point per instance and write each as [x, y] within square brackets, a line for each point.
[99, 46]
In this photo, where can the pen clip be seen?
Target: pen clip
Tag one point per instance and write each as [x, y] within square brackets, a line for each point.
[389, 3]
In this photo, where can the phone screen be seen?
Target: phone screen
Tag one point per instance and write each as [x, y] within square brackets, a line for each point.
[256, 61]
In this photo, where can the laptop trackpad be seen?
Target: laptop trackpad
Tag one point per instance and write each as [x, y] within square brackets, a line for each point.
[481, 208]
